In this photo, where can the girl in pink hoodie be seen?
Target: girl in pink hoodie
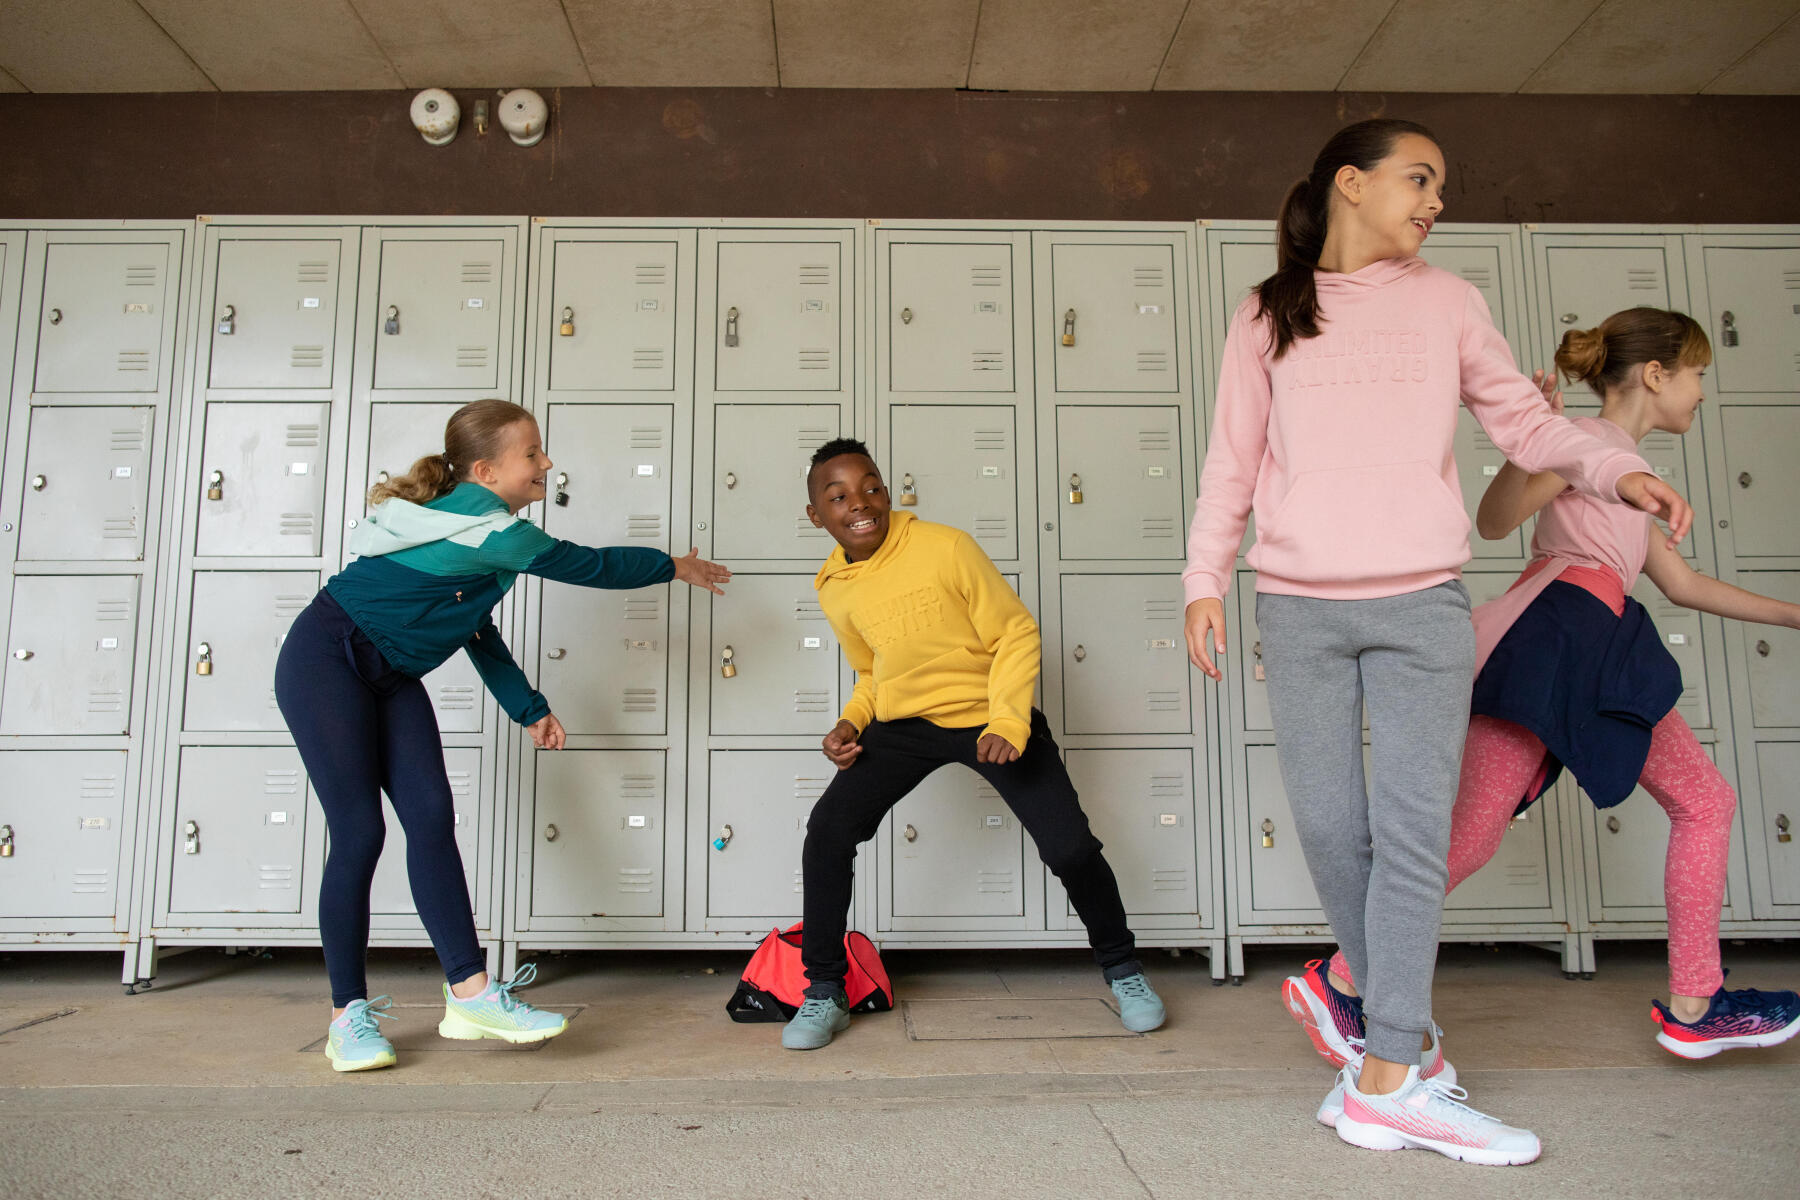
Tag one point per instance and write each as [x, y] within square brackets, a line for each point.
[1334, 420]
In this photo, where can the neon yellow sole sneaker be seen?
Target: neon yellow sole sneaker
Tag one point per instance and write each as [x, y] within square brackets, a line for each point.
[354, 1041]
[497, 1013]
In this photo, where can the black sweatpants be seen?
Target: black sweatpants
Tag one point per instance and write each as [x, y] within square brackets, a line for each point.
[896, 758]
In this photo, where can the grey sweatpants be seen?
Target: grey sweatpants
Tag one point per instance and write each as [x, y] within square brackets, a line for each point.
[1378, 856]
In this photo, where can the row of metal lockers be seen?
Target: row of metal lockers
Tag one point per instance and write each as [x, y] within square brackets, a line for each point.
[197, 412]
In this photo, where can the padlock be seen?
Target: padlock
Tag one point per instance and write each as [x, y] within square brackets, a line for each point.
[567, 328]
[731, 327]
[1728, 334]
[215, 486]
[1069, 328]
[562, 496]
[727, 668]
[1782, 832]
[203, 665]
[1074, 489]
[392, 324]
[6, 841]
[191, 838]
[1261, 676]
[724, 838]
[227, 320]
[1268, 832]
[909, 494]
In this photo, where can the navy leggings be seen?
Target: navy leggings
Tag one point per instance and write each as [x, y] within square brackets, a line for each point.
[363, 727]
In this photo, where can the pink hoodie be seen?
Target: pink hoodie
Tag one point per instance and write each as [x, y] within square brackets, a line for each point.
[1344, 446]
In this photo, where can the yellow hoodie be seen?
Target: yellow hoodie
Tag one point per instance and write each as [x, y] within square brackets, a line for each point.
[933, 631]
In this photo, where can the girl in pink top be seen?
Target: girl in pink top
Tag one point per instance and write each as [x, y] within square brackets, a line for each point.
[1646, 365]
[1334, 418]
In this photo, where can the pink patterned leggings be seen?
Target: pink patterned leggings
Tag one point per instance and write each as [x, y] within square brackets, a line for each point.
[1501, 760]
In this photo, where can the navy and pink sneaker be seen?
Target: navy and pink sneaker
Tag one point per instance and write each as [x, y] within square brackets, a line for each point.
[1331, 1019]
[1740, 1020]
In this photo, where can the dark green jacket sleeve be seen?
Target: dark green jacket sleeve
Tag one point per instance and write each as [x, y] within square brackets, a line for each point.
[522, 702]
[621, 567]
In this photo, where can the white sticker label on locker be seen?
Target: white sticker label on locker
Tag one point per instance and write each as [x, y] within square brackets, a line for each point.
[649, 304]
[994, 821]
[121, 472]
[812, 643]
[109, 643]
[309, 302]
[987, 306]
[636, 821]
[1149, 310]
[639, 644]
[1490, 470]
[1168, 818]
[1665, 472]
[137, 306]
[94, 822]
[1678, 639]
[1156, 472]
[646, 469]
[299, 468]
[278, 818]
[1161, 643]
[812, 306]
[476, 302]
[990, 472]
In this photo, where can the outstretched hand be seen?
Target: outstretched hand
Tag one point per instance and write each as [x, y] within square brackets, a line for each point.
[691, 568]
[1643, 490]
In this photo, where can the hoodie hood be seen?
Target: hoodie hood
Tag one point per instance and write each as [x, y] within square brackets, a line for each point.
[1377, 274]
[839, 567]
[402, 525]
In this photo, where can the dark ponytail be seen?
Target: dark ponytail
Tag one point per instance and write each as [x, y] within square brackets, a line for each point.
[1288, 297]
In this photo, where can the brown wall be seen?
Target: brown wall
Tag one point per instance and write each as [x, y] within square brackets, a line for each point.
[894, 154]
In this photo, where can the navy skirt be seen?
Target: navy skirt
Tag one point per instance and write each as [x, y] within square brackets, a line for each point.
[1589, 684]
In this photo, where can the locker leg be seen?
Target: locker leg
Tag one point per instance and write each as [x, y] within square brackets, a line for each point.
[1215, 961]
[1587, 955]
[1234, 960]
[140, 966]
[493, 960]
[1571, 955]
[509, 959]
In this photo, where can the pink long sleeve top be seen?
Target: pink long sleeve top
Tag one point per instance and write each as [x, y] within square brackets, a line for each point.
[1343, 446]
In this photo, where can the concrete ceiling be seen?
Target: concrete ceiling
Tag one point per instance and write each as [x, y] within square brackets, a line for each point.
[1534, 46]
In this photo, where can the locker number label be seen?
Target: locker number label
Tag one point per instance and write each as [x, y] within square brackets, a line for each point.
[109, 643]
[636, 821]
[1490, 470]
[1678, 639]
[1156, 472]
[994, 821]
[812, 643]
[121, 472]
[646, 469]
[476, 302]
[1162, 643]
[1168, 818]
[990, 472]
[299, 468]
[309, 302]
[278, 818]
[94, 822]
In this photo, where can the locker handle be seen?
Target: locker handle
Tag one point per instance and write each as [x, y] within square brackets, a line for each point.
[557, 655]
[909, 491]
[550, 833]
[1782, 832]
[1612, 825]
[1762, 649]
[228, 320]
[731, 326]
[381, 477]
[203, 664]
[392, 324]
[1080, 652]
[1068, 336]
[38, 483]
[1744, 479]
[191, 833]
[906, 316]
[1570, 318]
[910, 834]
[22, 654]
[727, 668]
[1728, 331]
[730, 480]
[215, 485]
[724, 838]
[1074, 489]
[1268, 834]
[6, 841]
[567, 328]
[56, 316]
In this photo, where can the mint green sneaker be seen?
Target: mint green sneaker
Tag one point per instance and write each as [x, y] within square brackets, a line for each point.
[816, 1021]
[354, 1041]
[1140, 1008]
[497, 1013]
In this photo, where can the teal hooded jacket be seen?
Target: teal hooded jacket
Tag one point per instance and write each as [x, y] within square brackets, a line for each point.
[427, 578]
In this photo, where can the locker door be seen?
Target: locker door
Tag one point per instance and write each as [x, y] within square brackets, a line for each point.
[776, 326]
[958, 465]
[1761, 480]
[1778, 770]
[958, 851]
[597, 849]
[617, 302]
[1760, 289]
[611, 485]
[1124, 658]
[603, 659]
[1680, 630]
[100, 329]
[1115, 318]
[762, 797]
[239, 838]
[1631, 844]
[1118, 486]
[1246, 641]
[274, 318]
[238, 622]
[1279, 880]
[1480, 265]
[1517, 877]
[1243, 265]
[70, 655]
[1773, 655]
[1478, 461]
[391, 893]
[267, 463]
[87, 473]
[61, 812]
[400, 435]
[1590, 283]
[760, 457]
[438, 314]
[772, 630]
[1141, 806]
[950, 324]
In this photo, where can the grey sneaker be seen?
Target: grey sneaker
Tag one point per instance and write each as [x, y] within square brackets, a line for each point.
[1140, 1008]
[816, 1021]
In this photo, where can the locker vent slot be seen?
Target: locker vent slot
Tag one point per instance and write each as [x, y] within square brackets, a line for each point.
[643, 526]
[126, 440]
[812, 700]
[141, 276]
[296, 524]
[994, 883]
[1161, 609]
[91, 880]
[461, 783]
[637, 787]
[805, 528]
[987, 528]
[646, 608]
[641, 700]
[647, 358]
[105, 702]
[1156, 527]
[289, 607]
[811, 439]
[1148, 277]
[303, 437]
[990, 439]
[807, 609]
[1154, 439]
[1153, 360]
[1643, 279]
[637, 880]
[273, 705]
[478, 272]
[987, 360]
[307, 358]
[1790, 280]
[986, 791]
[1164, 786]
[456, 697]
[281, 781]
[280, 879]
[1168, 879]
[646, 437]
[653, 274]
[815, 274]
[99, 787]
[112, 610]
[119, 528]
[815, 359]
[1481, 277]
[799, 882]
[318, 271]
[134, 360]
[471, 358]
[808, 788]
[1483, 442]
[1163, 701]
[994, 276]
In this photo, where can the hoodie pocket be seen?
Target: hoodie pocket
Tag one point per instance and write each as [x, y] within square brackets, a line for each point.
[1364, 523]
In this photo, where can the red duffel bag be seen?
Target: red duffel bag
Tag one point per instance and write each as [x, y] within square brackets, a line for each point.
[774, 984]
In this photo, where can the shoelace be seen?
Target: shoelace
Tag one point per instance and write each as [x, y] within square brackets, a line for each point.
[362, 1020]
[812, 1006]
[1134, 986]
[1453, 1096]
[524, 976]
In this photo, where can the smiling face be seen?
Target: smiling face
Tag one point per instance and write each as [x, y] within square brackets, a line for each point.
[1676, 396]
[1395, 203]
[516, 474]
[849, 501]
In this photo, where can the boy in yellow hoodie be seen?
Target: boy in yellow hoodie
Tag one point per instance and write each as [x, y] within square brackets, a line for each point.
[946, 657]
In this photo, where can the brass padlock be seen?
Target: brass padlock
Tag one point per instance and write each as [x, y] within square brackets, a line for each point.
[909, 494]
[1268, 832]
[203, 665]
[731, 327]
[1261, 676]
[562, 496]
[1782, 832]
[727, 668]
[6, 841]
[1074, 489]
[567, 328]
[392, 324]
[215, 486]
[1069, 328]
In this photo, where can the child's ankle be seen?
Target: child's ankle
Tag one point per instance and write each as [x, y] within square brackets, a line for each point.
[1688, 1009]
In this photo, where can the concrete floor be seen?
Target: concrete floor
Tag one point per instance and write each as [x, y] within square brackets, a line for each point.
[212, 1085]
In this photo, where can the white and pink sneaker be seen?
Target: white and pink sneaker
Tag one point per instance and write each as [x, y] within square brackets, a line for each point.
[1427, 1114]
[1432, 1065]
